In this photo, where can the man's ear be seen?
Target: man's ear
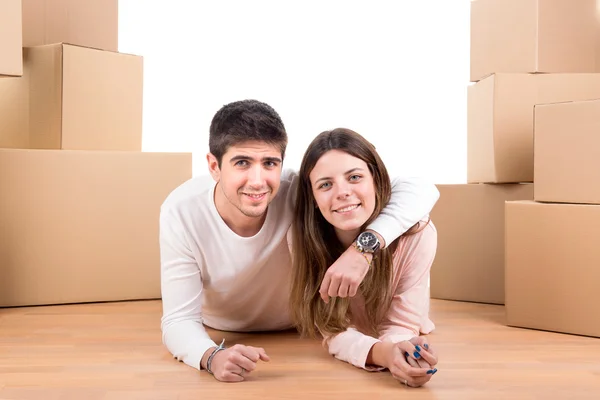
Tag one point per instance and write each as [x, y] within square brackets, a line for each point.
[213, 167]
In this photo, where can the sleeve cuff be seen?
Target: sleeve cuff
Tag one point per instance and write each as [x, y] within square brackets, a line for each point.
[397, 337]
[361, 352]
[387, 232]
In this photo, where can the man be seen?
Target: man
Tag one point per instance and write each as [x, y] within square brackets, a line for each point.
[225, 260]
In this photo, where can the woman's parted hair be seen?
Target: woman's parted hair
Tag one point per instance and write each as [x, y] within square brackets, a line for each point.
[316, 247]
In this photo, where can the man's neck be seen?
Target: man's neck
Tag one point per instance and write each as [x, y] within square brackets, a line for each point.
[240, 224]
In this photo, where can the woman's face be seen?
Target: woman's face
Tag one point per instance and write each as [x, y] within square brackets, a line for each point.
[344, 190]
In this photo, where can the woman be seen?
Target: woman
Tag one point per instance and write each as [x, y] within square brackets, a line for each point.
[344, 185]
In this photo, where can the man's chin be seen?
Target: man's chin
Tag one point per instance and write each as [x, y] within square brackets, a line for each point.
[254, 212]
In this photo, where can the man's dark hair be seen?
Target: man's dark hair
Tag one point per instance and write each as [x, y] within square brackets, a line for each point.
[243, 121]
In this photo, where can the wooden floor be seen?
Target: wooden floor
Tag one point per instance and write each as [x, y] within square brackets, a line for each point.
[113, 351]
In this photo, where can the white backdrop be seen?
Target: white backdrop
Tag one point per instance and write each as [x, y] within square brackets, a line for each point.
[395, 71]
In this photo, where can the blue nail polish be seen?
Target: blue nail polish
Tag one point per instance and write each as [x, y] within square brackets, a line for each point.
[430, 372]
[426, 346]
[416, 354]
[418, 347]
[406, 354]
[434, 371]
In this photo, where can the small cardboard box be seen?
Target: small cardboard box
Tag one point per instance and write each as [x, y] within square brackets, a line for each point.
[78, 98]
[11, 39]
[527, 36]
[500, 120]
[567, 152]
[469, 263]
[87, 23]
[552, 267]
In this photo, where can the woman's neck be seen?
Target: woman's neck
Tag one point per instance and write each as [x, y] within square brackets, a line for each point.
[346, 238]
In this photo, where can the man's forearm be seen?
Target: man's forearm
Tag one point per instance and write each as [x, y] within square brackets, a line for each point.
[411, 200]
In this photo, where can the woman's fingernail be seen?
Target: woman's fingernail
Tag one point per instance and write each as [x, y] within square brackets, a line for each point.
[430, 372]
[406, 354]
[434, 371]
[426, 346]
[418, 347]
[416, 354]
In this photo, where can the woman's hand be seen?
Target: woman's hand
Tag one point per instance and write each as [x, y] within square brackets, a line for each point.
[428, 354]
[411, 366]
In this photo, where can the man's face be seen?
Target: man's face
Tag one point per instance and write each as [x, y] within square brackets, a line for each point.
[248, 179]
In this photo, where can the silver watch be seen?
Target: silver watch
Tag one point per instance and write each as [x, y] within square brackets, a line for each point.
[367, 242]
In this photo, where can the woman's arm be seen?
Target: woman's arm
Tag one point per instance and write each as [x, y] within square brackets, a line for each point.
[408, 315]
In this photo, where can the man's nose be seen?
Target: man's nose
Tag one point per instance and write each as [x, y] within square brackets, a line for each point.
[255, 176]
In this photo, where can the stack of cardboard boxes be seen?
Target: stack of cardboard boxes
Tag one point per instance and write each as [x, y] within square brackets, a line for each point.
[537, 259]
[79, 199]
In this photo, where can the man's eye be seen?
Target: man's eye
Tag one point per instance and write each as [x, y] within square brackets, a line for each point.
[241, 163]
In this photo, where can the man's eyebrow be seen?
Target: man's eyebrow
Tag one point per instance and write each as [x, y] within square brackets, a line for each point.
[272, 159]
[243, 157]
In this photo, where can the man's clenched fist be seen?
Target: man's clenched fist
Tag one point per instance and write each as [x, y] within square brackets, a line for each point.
[235, 363]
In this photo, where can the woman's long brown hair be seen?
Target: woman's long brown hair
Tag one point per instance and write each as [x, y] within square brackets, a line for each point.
[316, 246]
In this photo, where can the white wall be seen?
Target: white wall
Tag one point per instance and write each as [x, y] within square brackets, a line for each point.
[395, 71]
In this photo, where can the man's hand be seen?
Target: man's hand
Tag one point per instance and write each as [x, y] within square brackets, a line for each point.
[235, 363]
[345, 275]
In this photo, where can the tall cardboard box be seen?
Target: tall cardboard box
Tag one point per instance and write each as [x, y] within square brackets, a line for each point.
[78, 99]
[469, 263]
[500, 120]
[526, 36]
[82, 226]
[567, 152]
[11, 39]
[552, 267]
[88, 23]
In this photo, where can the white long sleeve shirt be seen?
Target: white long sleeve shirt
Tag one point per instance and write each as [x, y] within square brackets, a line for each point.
[211, 276]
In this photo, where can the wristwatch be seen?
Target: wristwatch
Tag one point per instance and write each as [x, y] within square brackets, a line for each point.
[367, 242]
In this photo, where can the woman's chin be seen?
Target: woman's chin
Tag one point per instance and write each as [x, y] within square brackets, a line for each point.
[349, 226]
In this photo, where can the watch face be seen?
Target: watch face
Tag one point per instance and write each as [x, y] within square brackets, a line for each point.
[367, 240]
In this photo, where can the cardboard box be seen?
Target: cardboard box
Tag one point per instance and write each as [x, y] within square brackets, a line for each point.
[469, 263]
[597, 35]
[70, 110]
[79, 99]
[11, 39]
[14, 113]
[82, 226]
[552, 267]
[89, 23]
[526, 36]
[567, 152]
[500, 120]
